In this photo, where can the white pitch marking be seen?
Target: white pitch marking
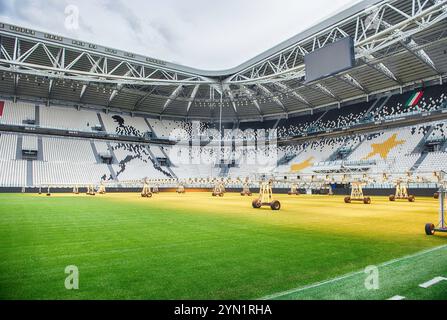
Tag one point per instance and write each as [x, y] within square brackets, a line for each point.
[396, 298]
[432, 282]
[349, 275]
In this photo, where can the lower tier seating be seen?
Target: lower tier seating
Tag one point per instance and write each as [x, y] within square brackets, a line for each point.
[61, 161]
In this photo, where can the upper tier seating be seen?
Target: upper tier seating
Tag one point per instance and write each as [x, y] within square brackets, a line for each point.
[323, 121]
[257, 125]
[298, 125]
[345, 117]
[167, 128]
[210, 131]
[124, 125]
[431, 99]
[68, 118]
[17, 113]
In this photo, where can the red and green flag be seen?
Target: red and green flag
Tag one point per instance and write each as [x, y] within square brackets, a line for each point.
[415, 98]
[2, 106]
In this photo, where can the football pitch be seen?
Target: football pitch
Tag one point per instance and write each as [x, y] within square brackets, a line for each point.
[194, 246]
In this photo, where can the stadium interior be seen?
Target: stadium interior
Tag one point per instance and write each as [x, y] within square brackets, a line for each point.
[77, 117]
[386, 134]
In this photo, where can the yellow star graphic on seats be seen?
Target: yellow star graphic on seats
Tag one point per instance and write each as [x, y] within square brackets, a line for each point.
[303, 165]
[383, 149]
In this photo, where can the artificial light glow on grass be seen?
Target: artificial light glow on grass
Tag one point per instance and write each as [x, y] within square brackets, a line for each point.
[195, 246]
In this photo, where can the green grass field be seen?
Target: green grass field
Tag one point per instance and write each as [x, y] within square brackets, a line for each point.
[194, 246]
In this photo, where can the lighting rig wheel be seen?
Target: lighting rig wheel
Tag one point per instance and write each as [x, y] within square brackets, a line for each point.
[392, 197]
[429, 229]
[242, 194]
[289, 193]
[411, 198]
[221, 195]
[275, 206]
[256, 204]
[250, 194]
[146, 195]
[436, 195]
[348, 200]
[367, 200]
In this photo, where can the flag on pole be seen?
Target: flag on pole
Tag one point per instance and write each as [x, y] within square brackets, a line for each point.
[415, 98]
[2, 106]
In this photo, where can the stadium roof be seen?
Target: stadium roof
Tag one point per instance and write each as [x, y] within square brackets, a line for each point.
[397, 43]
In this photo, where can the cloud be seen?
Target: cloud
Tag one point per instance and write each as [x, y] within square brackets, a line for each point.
[126, 13]
[203, 34]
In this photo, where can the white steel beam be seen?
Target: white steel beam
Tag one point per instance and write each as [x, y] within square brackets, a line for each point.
[192, 97]
[172, 97]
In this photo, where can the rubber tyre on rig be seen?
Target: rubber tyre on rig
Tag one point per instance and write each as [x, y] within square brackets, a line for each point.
[392, 197]
[429, 229]
[367, 200]
[256, 204]
[436, 195]
[411, 198]
[275, 205]
[348, 200]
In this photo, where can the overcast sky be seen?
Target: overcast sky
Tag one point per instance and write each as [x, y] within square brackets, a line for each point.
[205, 34]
